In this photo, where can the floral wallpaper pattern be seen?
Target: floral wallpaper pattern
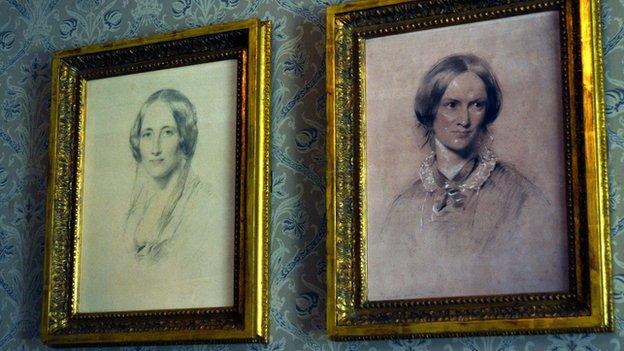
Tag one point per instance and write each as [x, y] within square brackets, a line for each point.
[30, 30]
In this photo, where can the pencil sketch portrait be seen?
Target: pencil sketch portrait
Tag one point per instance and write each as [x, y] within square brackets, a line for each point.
[159, 203]
[162, 141]
[467, 222]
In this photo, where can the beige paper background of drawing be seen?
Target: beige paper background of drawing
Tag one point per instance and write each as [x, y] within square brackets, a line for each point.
[111, 279]
[523, 52]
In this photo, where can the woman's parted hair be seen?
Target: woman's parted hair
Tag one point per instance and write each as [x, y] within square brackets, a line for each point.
[436, 81]
[183, 113]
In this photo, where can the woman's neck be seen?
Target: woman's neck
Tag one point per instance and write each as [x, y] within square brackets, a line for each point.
[450, 162]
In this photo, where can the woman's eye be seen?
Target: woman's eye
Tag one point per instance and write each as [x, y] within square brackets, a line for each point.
[451, 104]
[169, 132]
[479, 105]
[146, 135]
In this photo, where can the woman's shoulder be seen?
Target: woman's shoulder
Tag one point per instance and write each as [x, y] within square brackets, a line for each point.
[414, 191]
[198, 187]
[507, 179]
[197, 198]
[505, 172]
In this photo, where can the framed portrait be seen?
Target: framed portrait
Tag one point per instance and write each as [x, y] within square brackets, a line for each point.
[158, 193]
[467, 188]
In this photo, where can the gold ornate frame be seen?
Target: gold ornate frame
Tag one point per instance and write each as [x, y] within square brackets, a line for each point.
[249, 42]
[588, 305]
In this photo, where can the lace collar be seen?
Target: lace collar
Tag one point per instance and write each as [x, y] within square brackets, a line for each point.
[486, 163]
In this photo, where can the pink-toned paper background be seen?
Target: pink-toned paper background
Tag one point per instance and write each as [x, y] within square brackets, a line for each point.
[524, 53]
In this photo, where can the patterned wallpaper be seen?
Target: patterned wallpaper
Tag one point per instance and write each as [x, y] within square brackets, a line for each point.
[30, 30]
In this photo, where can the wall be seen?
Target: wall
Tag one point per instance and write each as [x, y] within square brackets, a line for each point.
[31, 29]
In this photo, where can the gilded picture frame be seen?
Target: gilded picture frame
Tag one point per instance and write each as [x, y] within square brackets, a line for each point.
[436, 243]
[128, 117]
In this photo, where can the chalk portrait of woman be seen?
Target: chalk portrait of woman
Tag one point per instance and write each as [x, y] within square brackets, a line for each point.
[167, 197]
[469, 223]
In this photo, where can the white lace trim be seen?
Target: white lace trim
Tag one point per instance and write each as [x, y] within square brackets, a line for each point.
[487, 162]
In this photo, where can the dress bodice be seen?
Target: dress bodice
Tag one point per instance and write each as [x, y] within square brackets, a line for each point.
[488, 231]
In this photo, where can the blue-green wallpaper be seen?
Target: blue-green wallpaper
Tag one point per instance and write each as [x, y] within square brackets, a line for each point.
[30, 30]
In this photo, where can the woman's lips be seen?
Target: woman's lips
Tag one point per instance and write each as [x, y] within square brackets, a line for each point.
[462, 134]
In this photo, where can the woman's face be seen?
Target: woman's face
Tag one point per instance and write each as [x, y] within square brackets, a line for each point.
[159, 142]
[461, 112]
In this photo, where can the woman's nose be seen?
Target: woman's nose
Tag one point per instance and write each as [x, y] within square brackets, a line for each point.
[464, 118]
[156, 150]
